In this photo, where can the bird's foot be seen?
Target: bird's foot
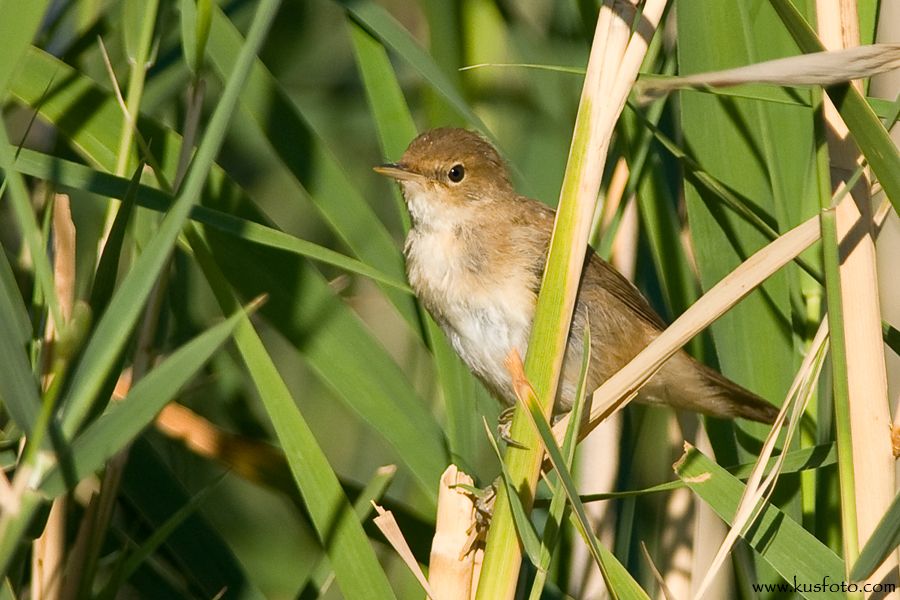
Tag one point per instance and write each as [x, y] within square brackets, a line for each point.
[484, 500]
[504, 427]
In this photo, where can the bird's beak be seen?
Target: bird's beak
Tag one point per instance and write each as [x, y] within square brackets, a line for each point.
[397, 171]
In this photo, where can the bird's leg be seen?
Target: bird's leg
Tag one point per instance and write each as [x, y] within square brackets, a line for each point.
[484, 504]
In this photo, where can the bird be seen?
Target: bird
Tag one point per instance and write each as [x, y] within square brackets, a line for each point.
[475, 255]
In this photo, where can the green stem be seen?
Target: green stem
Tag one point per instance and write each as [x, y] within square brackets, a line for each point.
[549, 333]
[841, 386]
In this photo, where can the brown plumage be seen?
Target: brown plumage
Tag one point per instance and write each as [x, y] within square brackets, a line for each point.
[475, 256]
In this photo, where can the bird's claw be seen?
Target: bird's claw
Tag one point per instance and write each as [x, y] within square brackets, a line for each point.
[483, 499]
[504, 427]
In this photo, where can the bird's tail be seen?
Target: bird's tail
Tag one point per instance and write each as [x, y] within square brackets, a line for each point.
[738, 401]
[686, 383]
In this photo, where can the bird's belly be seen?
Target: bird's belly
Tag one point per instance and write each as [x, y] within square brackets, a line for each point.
[485, 313]
[483, 336]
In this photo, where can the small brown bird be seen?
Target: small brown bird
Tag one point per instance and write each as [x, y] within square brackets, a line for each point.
[475, 256]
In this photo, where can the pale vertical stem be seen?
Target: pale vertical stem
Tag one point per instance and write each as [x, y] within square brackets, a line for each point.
[677, 538]
[873, 463]
[608, 206]
[887, 85]
[48, 555]
[709, 533]
[48, 551]
[678, 542]
[598, 465]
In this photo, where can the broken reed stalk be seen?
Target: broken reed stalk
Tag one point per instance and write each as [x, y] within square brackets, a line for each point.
[612, 70]
[453, 560]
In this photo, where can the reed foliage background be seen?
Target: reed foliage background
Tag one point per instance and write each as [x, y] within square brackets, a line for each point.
[208, 348]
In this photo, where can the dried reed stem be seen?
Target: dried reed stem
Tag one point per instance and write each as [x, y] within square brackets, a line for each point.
[873, 462]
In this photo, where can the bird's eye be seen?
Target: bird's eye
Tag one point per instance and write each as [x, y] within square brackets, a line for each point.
[456, 173]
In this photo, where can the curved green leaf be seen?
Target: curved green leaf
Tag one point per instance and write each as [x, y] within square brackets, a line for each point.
[782, 542]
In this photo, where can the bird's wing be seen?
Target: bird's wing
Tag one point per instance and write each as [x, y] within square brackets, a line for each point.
[623, 290]
[606, 275]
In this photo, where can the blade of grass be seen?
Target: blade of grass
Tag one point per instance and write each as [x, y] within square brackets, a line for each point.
[322, 575]
[18, 387]
[114, 328]
[18, 27]
[283, 124]
[24, 214]
[383, 26]
[840, 386]
[124, 421]
[14, 307]
[393, 121]
[883, 541]
[524, 528]
[75, 176]
[356, 568]
[108, 265]
[447, 43]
